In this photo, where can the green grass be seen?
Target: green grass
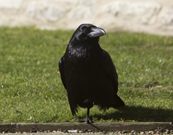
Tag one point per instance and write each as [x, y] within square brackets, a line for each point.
[30, 84]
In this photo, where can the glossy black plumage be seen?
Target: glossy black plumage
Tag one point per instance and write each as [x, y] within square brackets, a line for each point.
[88, 73]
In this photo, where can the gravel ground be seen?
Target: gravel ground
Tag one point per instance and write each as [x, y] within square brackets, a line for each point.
[32, 129]
[72, 132]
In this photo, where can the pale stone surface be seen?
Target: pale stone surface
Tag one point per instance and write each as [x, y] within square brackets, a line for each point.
[67, 1]
[142, 12]
[89, 2]
[10, 3]
[81, 12]
[167, 20]
[45, 11]
[168, 17]
[154, 16]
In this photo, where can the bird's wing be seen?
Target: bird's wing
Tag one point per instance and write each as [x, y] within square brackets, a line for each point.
[61, 69]
[110, 70]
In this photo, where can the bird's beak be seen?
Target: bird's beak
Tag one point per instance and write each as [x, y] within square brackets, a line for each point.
[96, 32]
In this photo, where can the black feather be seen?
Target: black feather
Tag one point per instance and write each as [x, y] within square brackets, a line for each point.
[87, 71]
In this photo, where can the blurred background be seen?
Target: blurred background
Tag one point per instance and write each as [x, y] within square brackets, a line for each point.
[150, 16]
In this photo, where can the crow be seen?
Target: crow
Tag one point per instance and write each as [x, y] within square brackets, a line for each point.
[88, 73]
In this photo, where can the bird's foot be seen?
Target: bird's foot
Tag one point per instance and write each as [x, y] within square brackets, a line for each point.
[88, 120]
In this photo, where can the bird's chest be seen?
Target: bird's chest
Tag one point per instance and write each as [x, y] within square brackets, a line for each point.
[84, 63]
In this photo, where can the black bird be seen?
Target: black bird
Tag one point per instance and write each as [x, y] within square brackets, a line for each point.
[88, 73]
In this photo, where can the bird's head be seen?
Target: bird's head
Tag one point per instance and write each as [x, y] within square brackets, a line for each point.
[87, 32]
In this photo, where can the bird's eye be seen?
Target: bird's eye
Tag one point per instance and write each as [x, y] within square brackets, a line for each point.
[84, 28]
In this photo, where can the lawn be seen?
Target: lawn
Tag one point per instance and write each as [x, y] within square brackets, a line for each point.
[31, 89]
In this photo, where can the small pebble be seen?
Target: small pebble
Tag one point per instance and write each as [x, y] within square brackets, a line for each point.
[133, 132]
[125, 131]
[73, 131]
[151, 132]
[142, 133]
[171, 131]
[104, 132]
[80, 131]
[54, 131]
[65, 131]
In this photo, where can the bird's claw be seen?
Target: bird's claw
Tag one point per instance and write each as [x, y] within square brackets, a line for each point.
[88, 120]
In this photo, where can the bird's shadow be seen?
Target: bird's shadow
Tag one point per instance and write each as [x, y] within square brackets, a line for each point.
[140, 114]
[128, 114]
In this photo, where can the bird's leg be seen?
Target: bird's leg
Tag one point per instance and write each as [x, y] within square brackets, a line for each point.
[87, 120]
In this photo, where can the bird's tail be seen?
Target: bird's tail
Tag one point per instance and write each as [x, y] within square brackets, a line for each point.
[118, 102]
[73, 109]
